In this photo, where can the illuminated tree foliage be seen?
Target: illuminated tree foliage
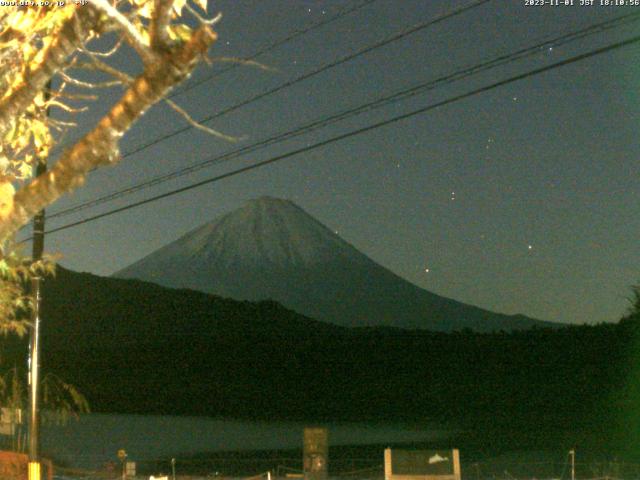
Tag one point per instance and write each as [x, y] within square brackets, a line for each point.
[46, 56]
[62, 401]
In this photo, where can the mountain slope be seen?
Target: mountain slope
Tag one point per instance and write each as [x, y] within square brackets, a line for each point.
[136, 347]
[272, 249]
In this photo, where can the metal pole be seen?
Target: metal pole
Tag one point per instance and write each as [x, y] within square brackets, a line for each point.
[173, 468]
[573, 464]
[34, 343]
[34, 372]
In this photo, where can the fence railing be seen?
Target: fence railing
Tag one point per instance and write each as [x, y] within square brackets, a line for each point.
[283, 468]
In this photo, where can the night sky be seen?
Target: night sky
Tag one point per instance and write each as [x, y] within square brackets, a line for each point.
[522, 199]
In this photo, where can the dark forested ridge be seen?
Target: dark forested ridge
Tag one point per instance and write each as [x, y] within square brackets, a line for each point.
[136, 347]
[272, 249]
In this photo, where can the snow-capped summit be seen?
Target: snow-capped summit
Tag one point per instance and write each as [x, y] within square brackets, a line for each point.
[265, 231]
[272, 249]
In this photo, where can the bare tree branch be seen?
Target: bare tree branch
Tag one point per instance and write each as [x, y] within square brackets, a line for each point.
[131, 33]
[159, 22]
[90, 85]
[195, 124]
[245, 62]
[73, 96]
[100, 146]
[200, 18]
[97, 64]
[58, 124]
[66, 108]
[34, 79]
[109, 52]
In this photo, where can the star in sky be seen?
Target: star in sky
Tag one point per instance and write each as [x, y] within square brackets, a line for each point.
[527, 136]
[489, 142]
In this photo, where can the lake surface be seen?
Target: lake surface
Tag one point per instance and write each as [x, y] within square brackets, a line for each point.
[95, 439]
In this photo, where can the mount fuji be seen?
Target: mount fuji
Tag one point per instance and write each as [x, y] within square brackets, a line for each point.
[272, 249]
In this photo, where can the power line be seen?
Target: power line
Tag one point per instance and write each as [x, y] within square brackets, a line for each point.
[386, 100]
[358, 131]
[295, 34]
[388, 40]
[393, 38]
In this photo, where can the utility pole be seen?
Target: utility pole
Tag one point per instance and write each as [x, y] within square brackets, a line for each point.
[572, 452]
[34, 341]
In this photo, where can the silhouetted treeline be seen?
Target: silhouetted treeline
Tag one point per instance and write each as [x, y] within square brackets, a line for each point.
[134, 347]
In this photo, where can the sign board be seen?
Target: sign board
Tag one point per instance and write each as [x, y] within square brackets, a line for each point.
[10, 415]
[9, 418]
[421, 464]
[315, 453]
